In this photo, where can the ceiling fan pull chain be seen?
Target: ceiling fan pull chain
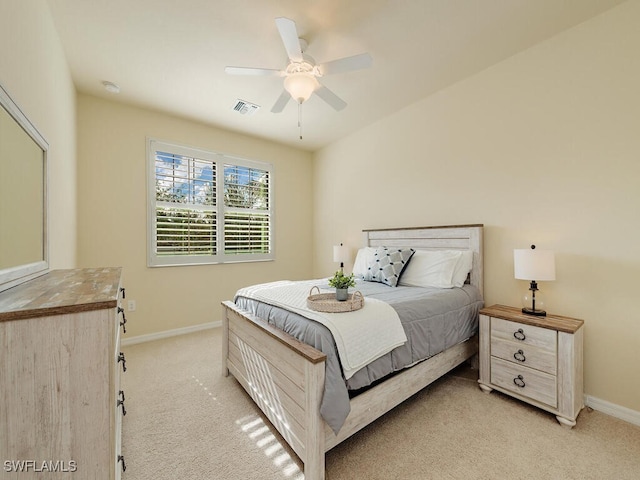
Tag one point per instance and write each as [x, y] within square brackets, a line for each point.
[300, 119]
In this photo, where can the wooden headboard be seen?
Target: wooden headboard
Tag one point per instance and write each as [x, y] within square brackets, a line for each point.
[451, 237]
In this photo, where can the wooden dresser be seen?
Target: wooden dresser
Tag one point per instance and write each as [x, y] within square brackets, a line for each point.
[535, 359]
[61, 405]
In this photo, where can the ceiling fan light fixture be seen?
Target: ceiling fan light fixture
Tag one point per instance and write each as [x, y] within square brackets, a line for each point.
[300, 86]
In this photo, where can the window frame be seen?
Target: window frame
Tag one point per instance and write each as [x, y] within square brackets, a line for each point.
[219, 160]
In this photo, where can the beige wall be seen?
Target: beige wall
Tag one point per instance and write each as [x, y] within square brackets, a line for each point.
[542, 148]
[112, 213]
[34, 71]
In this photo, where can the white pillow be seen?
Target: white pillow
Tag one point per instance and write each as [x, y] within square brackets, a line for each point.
[463, 267]
[429, 268]
[364, 258]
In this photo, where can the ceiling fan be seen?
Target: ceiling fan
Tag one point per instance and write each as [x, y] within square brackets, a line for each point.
[301, 76]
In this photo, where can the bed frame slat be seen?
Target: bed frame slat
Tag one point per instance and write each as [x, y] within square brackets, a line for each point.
[281, 379]
[422, 243]
[290, 396]
[287, 362]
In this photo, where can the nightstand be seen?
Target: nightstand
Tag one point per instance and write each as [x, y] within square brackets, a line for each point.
[535, 359]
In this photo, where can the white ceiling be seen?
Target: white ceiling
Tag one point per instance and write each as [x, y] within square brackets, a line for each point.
[170, 55]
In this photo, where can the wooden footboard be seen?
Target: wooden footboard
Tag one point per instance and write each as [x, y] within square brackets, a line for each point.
[285, 378]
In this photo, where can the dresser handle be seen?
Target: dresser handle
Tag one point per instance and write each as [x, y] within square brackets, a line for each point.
[123, 294]
[124, 320]
[519, 381]
[519, 335]
[519, 356]
[121, 402]
[124, 362]
[124, 465]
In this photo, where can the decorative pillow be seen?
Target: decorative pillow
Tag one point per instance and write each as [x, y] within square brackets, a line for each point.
[463, 267]
[364, 258]
[431, 268]
[388, 265]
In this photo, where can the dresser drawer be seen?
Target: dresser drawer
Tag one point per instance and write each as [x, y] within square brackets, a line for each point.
[530, 356]
[524, 381]
[521, 333]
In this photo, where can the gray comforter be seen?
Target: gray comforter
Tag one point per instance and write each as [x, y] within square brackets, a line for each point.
[434, 319]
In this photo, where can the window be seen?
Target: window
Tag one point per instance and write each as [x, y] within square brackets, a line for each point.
[205, 207]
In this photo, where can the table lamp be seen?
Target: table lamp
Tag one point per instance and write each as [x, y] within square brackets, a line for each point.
[340, 255]
[534, 265]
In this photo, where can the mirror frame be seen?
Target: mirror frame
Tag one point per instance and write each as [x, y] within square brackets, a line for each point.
[15, 275]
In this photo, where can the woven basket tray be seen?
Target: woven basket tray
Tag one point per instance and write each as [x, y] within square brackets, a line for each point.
[326, 302]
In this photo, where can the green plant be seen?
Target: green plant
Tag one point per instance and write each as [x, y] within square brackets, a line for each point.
[340, 280]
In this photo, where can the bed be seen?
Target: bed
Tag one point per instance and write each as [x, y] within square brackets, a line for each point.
[286, 377]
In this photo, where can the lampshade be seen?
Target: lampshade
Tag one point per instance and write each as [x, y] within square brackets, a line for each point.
[534, 264]
[340, 253]
[300, 85]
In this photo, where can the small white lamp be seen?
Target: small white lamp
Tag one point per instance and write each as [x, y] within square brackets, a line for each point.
[340, 255]
[534, 265]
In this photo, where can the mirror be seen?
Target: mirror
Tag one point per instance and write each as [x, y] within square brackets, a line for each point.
[23, 197]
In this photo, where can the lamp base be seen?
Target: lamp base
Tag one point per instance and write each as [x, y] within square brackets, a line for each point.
[536, 312]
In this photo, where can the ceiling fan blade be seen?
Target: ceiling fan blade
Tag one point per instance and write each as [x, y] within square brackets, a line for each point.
[252, 71]
[289, 34]
[331, 98]
[282, 101]
[347, 64]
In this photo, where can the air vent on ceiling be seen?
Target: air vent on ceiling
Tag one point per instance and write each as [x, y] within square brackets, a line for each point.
[245, 108]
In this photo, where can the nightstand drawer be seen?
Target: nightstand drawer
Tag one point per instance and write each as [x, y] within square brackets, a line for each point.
[531, 356]
[524, 381]
[521, 333]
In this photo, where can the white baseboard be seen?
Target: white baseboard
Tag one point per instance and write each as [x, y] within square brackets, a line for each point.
[168, 333]
[623, 413]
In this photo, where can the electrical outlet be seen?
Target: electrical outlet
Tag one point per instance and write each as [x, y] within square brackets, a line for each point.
[132, 305]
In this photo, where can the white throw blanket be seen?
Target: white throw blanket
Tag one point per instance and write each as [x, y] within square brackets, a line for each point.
[361, 336]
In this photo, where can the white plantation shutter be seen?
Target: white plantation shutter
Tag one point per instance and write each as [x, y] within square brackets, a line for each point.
[246, 216]
[207, 208]
[185, 214]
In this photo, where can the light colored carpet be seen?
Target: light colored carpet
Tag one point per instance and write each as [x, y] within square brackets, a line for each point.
[185, 421]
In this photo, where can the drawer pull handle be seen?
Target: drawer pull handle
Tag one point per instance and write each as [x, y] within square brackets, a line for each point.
[519, 335]
[124, 320]
[123, 360]
[121, 402]
[124, 465]
[519, 381]
[519, 356]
